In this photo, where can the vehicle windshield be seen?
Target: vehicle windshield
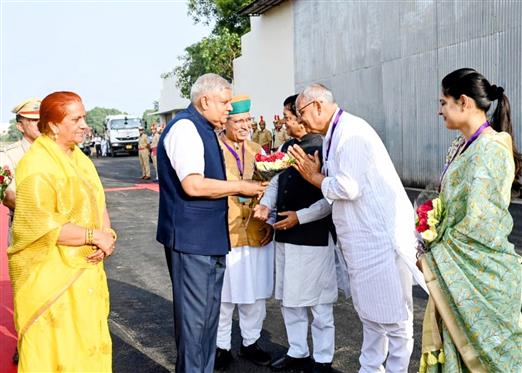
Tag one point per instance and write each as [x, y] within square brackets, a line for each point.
[118, 124]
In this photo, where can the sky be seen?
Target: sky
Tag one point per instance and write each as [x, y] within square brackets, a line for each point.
[111, 53]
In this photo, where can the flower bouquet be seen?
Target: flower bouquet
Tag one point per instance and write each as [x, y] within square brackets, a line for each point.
[5, 179]
[267, 166]
[427, 223]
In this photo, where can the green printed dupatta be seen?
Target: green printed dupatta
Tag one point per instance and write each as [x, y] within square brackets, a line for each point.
[473, 320]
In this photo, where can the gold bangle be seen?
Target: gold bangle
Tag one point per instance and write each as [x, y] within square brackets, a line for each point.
[113, 232]
[89, 236]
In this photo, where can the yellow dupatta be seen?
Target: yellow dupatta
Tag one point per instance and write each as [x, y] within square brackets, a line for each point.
[54, 189]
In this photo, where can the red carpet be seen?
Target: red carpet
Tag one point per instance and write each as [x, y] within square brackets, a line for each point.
[150, 186]
[7, 331]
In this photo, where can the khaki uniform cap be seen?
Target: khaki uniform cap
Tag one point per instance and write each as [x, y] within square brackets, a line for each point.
[29, 108]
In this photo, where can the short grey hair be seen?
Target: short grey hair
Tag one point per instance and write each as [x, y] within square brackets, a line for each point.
[208, 83]
[317, 92]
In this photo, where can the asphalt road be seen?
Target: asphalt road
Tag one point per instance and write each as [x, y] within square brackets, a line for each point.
[141, 299]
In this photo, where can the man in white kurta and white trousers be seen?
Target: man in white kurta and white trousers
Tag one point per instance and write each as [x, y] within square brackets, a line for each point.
[249, 274]
[305, 258]
[374, 220]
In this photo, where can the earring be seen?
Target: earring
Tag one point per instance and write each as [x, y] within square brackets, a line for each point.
[55, 134]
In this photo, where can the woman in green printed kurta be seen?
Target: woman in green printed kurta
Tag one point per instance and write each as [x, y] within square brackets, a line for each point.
[473, 320]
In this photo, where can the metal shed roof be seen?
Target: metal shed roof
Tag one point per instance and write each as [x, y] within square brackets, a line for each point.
[258, 7]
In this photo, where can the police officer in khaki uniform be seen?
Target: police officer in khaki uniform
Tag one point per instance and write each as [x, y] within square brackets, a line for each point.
[154, 147]
[280, 134]
[263, 136]
[27, 116]
[143, 151]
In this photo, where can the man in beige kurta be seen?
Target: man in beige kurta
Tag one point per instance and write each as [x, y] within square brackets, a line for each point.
[248, 279]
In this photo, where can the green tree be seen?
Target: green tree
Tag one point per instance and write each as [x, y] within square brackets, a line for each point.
[213, 54]
[149, 119]
[13, 134]
[216, 52]
[223, 13]
[96, 116]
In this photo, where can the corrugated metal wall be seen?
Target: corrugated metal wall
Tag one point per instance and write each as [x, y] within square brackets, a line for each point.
[384, 60]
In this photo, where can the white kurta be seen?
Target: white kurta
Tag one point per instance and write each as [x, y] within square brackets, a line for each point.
[305, 275]
[373, 216]
[249, 275]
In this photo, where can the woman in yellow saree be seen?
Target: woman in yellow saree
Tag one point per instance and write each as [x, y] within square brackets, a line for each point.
[61, 234]
[473, 321]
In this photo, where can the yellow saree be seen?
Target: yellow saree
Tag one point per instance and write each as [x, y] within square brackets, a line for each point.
[61, 302]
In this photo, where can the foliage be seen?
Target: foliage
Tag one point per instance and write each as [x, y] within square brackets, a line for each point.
[147, 120]
[213, 54]
[216, 52]
[13, 134]
[96, 116]
[222, 12]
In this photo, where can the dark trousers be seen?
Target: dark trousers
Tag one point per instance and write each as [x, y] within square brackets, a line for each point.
[196, 286]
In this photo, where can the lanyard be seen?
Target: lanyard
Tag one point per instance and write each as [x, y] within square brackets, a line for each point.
[240, 165]
[466, 145]
[334, 126]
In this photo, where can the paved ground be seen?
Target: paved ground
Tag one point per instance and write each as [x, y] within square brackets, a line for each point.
[141, 300]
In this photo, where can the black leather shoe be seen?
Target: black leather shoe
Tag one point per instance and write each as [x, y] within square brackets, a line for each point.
[290, 363]
[223, 359]
[255, 354]
[322, 368]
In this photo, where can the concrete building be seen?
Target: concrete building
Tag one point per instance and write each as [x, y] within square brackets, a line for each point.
[384, 61]
[170, 101]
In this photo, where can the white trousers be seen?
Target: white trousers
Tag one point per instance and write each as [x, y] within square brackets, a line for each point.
[394, 340]
[381, 340]
[323, 331]
[251, 317]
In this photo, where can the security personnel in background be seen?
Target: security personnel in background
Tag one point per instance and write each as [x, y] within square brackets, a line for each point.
[154, 147]
[280, 135]
[263, 136]
[27, 116]
[143, 151]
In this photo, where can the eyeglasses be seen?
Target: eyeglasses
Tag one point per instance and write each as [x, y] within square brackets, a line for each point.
[28, 120]
[242, 121]
[300, 111]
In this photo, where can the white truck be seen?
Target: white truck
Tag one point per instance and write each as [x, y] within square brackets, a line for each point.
[122, 133]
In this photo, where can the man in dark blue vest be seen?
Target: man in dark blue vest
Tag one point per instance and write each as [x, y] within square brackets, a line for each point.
[192, 221]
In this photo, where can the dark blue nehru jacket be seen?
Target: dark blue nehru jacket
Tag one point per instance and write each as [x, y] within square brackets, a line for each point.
[192, 225]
